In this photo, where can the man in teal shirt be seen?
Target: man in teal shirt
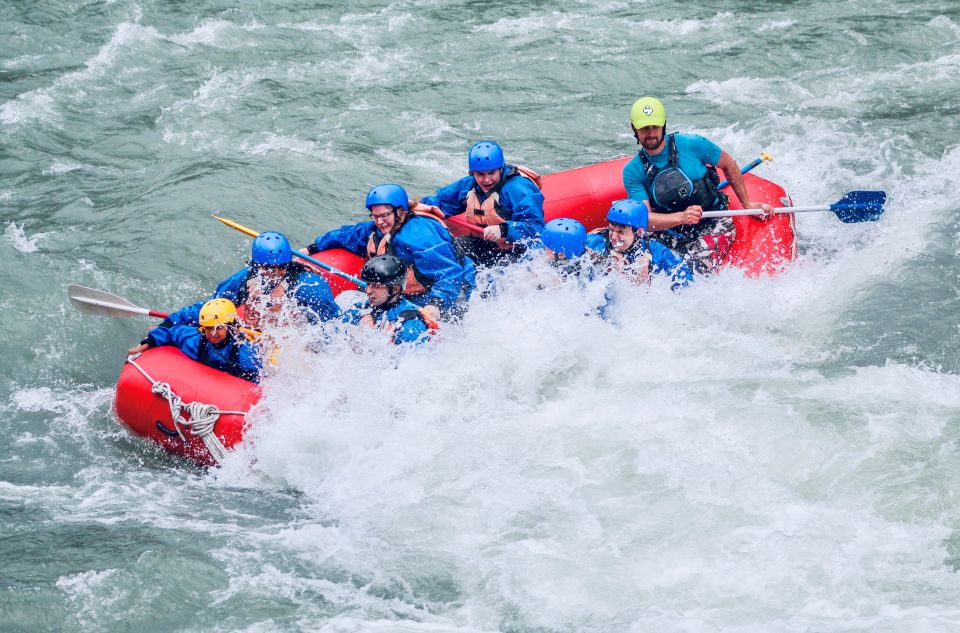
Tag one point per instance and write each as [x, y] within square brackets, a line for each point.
[676, 176]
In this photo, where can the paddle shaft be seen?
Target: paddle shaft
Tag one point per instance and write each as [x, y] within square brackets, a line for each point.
[316, 262]
[728, 214]
[456, 219]
[121, 308]
[362, 285]
[855, 201]
[756, 161]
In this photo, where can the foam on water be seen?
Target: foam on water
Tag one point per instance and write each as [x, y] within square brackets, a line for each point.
[428, 163]
[19, 240]
[684, 27]
[574, 467]
[945, 23]
[750, 91]
[746, 455]
[505, 27]
[40, 104]
[776, 25]
[271, 143]
[699, 470]
[219, 33]
[59, 167]
[27, 108]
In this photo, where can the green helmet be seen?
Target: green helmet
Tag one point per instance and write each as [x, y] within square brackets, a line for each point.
[648, 111]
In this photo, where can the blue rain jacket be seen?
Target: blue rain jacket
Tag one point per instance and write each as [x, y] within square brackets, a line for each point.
[311, 292]
[234, 355]
[425, 245]
[411, 330]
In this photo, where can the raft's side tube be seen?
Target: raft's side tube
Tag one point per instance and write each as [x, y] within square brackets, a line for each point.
[342, 260]
[148, 414]
[586, 193]
[762, 247]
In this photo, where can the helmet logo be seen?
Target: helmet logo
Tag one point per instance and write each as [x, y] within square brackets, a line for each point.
[647, 110]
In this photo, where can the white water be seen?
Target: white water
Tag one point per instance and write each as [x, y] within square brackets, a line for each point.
[749, 455]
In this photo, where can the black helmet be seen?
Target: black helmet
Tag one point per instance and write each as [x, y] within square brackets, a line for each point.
[384, 269]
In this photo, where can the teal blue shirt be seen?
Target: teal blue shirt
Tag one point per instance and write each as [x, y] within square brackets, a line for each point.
[694, 153]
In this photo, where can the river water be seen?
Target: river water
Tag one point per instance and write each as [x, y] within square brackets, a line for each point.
[752, 455]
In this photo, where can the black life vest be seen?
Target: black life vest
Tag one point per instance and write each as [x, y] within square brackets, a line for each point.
[672, 191]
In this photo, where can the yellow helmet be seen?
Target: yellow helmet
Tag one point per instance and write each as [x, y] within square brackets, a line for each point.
[648, 111]
[217, 312]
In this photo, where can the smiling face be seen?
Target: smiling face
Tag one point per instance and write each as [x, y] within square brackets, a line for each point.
[488, 179]
[622, 237]
[383, 216]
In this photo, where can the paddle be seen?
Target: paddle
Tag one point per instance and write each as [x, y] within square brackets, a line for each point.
[756, 161]
[105, 303]
[856, 206]
[463, 223]
[316, 262]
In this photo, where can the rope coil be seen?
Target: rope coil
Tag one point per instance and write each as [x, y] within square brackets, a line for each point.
[203, 417]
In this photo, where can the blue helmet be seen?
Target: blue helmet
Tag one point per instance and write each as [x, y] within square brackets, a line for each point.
[631, 213]
[484, 156]
[271, 249]
[394, 195]
[566, 236]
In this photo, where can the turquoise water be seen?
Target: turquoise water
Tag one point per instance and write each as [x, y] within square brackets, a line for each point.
[751, 456]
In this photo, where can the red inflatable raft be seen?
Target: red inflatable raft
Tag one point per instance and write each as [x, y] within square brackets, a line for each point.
[197, 412]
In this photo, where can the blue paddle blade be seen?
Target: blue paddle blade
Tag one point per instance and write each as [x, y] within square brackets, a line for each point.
[860, 206]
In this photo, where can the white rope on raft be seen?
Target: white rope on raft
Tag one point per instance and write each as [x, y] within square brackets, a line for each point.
[203, 417]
